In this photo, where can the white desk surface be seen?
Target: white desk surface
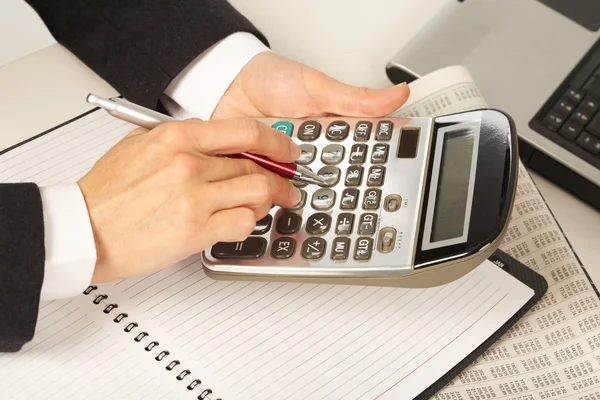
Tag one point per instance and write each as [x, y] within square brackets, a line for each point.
[350, 40]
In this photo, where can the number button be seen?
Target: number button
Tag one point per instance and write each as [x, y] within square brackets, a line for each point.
[263, 225]
[332, 154]
[384, 130]
[318, 224]
[251, 248]
[331, 175]
[323, 199]
[307, 154]
[340, 250]
[299, 184]
[344, 224]
[284, 126]
[358, 153]
[301, 203]
[289, 223]
[349, 199]
[362, 132]
[354, 175]
[363, 249]
[337, 130]
[372, 199]
[283, 248]
[309, 131]
[367, 224]
[380, 153]
[376, 176]
[313, 248]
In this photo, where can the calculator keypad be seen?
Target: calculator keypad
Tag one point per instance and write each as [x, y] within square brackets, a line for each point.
[333, 154]
[323, 199]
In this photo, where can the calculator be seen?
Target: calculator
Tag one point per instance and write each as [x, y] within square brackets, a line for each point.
[408, 202]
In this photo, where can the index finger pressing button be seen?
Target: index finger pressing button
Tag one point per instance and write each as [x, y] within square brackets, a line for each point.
[251, 248]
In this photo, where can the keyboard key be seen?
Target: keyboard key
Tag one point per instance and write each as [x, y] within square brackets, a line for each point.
[338, 130]
[594, 126]
[344, 224]
[323, 199]
[331, 175]
[318, 224]
[283, 248]
[574, 95]
[313, 248]
[362, 131]
[590, 105]
[589, 143]
[376, 175]
[372, 199]
[263, 225]
[333, 154]
[592, 86]
[284, 126]
[564, 107]
[349, 199]
[309, 131]
[570, 130]
[380, 153]
[251, 248]
[358, 153]
[340, 249]
[367, 224]
[354, 175]
[289, 223]
[301, 203]
[581, 116]
[553, 121]
[307, 154]
[384, 130]
[363, 249]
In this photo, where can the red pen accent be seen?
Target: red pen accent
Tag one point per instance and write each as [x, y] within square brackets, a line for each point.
[287, 170]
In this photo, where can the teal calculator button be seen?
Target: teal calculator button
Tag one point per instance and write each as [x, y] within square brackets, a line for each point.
[285, 127]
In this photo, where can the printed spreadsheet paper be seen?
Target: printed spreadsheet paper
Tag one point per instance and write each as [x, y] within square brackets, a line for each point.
[244, 340]
[554, 351]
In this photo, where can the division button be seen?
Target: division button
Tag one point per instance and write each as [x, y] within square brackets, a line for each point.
[251, 248]
[289, 223]
[344, 224]
[337, 130]
[340, 249]
[318, 224]
[309, 131]
[263, 225]
[283, 248]
[363, 249]
[313, 248]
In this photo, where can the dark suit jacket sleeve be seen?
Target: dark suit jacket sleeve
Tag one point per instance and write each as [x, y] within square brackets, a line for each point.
[22, 256]
[140, 46]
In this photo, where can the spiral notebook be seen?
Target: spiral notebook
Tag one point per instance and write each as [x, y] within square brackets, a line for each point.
[177, 334]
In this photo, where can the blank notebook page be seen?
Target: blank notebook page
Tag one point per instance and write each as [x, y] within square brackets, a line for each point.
[289, 340]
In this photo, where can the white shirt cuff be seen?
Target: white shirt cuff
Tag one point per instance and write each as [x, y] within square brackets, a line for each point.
[70, 246]
[197, 90]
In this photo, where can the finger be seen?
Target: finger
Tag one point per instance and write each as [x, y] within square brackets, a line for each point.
[232, 136]
[231, 225]
[250, 191]
[337, 98]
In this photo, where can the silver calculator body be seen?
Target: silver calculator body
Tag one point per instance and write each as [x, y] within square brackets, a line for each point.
[410, 202]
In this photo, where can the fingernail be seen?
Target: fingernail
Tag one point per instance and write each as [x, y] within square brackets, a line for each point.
[295, 195]
[295, 149]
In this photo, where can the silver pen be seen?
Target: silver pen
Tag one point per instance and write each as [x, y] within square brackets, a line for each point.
[149, 119]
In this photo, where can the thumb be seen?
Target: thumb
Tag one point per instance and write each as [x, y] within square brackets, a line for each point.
[338, 98]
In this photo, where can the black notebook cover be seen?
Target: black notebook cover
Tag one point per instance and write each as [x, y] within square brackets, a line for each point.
[526, 275]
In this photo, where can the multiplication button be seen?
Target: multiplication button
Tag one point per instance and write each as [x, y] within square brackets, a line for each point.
[309, 131]
[313, 248]
[363, 249]
[283, 248]
[337, 130]
[362, 131]
[318, 224]
[340, 249]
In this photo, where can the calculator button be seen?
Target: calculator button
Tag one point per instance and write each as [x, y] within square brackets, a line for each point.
[376, 176]
[367, 224]
[263, 225]
[362, 131]
[299, 184]
[387, 240]
[363, 249]
[372, 199]
[284, 126]
[344, 224]
[337, 130]
[313, 248]
[384, 130]
[358, 153]
[349, 199]
[332, 154]
[251, 248]
[340, 249]
[309, 130]
[307, 154]
[283, 247]
[380, 153]
[331, 175]
[392, 203]
[354, 175]
[318, 224]
[323, 199]
[301, 203]
[289, 223]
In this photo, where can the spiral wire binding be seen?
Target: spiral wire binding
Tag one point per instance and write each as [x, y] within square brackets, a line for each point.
[185, 374]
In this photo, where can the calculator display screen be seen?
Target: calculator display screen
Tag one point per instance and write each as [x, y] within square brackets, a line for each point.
[453, 186]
